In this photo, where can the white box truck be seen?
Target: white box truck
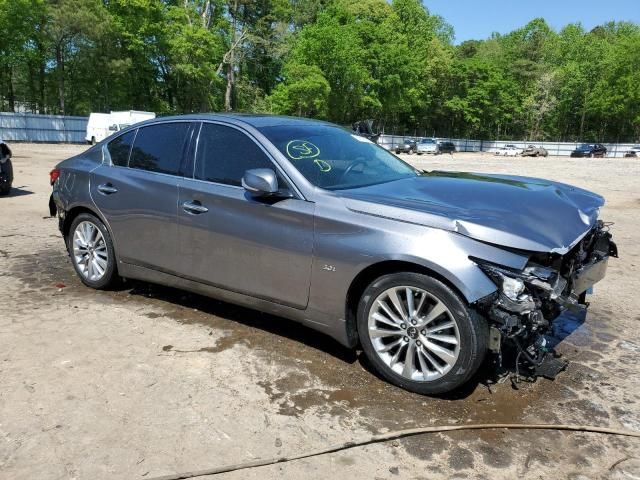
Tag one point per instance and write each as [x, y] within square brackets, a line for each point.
[101, 125]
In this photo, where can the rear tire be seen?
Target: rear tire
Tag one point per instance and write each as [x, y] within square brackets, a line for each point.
[91, 250]
[455, 339]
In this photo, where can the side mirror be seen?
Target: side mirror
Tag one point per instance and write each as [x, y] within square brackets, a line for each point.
[113, 128]
[260, 182]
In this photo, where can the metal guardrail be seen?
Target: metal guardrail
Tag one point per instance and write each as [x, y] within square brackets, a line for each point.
[31, 127]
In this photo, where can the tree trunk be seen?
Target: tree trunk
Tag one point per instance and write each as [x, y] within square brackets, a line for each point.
[228, 94]
[41, 74]
[206, 14]
[582, 117]
[60, 63]
[11, 92]
[33, 103]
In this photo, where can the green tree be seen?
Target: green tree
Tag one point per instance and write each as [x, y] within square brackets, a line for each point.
[304, 92]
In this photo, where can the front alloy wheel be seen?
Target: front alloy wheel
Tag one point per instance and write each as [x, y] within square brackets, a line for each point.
[419, 334]
[414, 333]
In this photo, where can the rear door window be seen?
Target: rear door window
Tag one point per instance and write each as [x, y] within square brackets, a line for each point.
[225, 154]
[119, 149]
[159, 148]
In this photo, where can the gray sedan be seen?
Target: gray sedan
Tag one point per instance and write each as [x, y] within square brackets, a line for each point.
[426, 272]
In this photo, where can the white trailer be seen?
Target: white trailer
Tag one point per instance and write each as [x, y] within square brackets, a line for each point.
[101, 125]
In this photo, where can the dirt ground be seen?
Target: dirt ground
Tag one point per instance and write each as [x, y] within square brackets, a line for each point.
[149, 381]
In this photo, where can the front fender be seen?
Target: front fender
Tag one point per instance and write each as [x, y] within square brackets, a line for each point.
[344, 249]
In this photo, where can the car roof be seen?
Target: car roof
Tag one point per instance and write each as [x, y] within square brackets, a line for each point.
[253, 119]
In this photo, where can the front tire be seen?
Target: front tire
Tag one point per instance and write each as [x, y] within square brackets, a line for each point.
[91, 250]
[418, 334]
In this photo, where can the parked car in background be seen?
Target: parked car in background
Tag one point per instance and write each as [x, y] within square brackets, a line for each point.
[6, 169]
[385, 142]
[427, 145]
[633, 151]
[101, 125]
[425, 271]
[434, 146]
[590, 150]
[446, 147]
[508, 151]
[408, 145]
[533, 151]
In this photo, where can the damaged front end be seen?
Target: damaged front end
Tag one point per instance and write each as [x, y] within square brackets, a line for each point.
[521, 312]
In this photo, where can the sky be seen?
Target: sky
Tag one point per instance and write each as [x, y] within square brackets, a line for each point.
[477, 19]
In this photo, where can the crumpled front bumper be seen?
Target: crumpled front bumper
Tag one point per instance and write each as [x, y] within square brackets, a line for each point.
[550, 284]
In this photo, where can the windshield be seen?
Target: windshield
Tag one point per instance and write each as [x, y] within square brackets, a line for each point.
[427, 140]
[585, 146]
[332, 158]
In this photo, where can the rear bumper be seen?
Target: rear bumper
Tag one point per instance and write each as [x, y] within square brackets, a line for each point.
[53, 208]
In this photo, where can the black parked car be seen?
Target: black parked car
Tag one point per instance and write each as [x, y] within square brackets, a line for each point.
[446, 147]
[6, 169]
[407, 146]
[590, 150]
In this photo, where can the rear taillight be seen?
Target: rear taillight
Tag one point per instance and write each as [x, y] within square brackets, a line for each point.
[54, 175]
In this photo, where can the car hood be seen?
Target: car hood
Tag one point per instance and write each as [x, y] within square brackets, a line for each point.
[517, 212]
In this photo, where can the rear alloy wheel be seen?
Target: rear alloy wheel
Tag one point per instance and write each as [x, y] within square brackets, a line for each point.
[91, 251]
[419, 335]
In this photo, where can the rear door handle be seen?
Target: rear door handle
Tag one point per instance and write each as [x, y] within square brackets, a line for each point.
[107, 189]
[194, 207]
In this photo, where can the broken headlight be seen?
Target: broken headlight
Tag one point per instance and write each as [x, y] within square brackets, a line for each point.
[509, 282]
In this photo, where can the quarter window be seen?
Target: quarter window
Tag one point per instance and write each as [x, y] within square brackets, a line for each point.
[119, 149]
[158, 148]
[224, 154]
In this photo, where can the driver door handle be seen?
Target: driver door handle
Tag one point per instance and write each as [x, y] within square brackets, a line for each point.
[194, 207]
[107, 189]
